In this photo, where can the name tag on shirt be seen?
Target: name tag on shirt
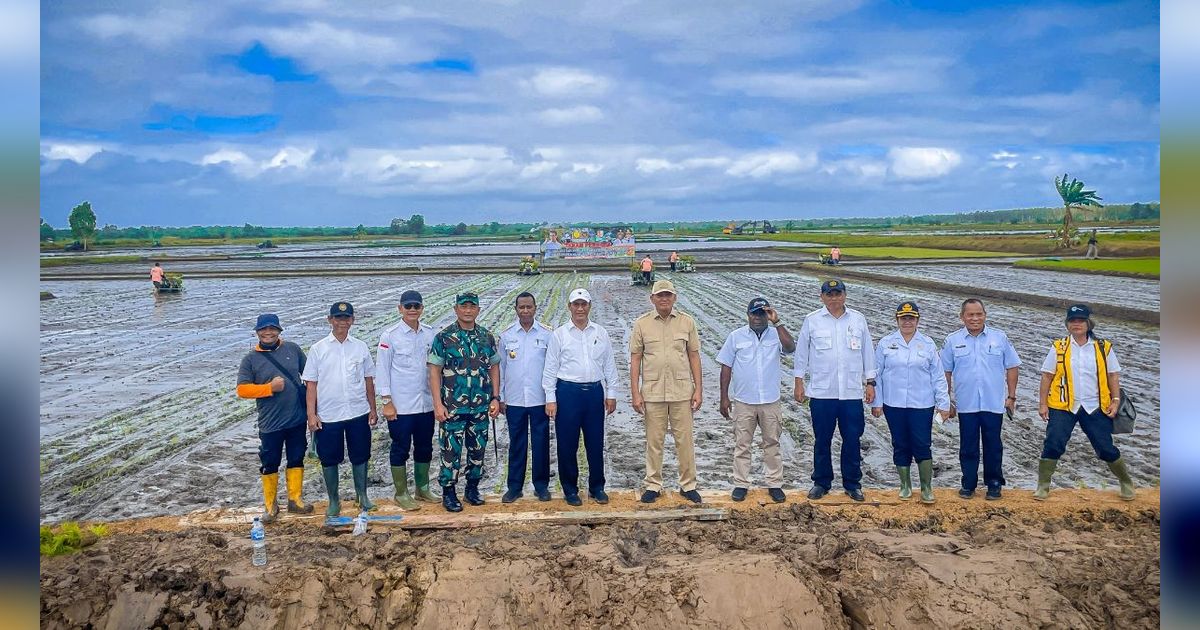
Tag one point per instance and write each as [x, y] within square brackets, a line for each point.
[855, 342]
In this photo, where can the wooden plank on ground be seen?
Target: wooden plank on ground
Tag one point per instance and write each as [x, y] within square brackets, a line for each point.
[590, 517]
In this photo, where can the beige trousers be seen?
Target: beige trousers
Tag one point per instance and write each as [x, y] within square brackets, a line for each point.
[676, 416]
[768, 418]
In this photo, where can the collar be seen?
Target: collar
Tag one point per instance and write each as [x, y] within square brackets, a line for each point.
[825, 311]
[671, 315]
[330, 337]
[259, 348]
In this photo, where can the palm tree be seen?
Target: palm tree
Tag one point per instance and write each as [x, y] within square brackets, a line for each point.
[1073, 196]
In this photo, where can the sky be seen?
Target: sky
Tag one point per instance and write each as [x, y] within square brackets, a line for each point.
[317, 112]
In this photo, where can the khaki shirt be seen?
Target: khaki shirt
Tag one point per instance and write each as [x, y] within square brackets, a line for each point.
[664, 345]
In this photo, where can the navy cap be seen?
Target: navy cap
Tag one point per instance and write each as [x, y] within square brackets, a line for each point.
[1079, 311]
[267, 320]
[467, 297]
[908, 309]
[758, 304]
[341, 309]
[833, 285]
[410, 297]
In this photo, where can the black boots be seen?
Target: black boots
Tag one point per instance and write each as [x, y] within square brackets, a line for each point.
[472, 493]
[450, 499]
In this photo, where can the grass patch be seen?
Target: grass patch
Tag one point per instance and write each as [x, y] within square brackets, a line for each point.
[1144, 267]
[63, 261]
[69, 537]
[1139, 244]
[902, 252]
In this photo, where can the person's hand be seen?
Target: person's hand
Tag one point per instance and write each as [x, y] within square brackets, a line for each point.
[1044, 411]
[389, 411]
[503, 407]
[372, 417]
[953, 411]
[551, 409]
[439, 412]
[277, 384]
[772, 316]
[800, 397]
[697, 399]
[1111, 412]
[944, 412]
[639, 404]
[1010, 404]
[876, 412]
[610, 406]
[494, 409]
[726, 407]
[314, 422]
[869, 394]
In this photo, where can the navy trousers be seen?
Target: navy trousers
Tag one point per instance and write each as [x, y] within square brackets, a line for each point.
[415, 429]
[580, 409]
[335, 438]
[295, 440]
[911, 431]
[974, 428]
[528, 426]
[1096, 426]
[847, 417]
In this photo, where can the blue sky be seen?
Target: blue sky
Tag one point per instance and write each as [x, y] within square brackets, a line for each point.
[331, 113]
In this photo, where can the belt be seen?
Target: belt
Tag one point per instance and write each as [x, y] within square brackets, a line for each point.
[584, 386]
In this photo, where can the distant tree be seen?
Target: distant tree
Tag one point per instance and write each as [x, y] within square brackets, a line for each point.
[360, 231]
[45, 231]
[83, 223]
[398, 226]
[493, 227]
[459, 229]
[789, 226]
[416, 224]
[1074, 197]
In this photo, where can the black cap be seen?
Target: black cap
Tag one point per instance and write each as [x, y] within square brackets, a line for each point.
[1079, 311]
[267, 320]
[758, 304]
[909, 308]
[410, 297]
[465, 297]
[341, 309]
[833, 285]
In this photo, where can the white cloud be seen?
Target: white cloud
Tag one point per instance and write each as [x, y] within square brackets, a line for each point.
[654, 165]
[78, 153]
[567, 82]
[578, 115]
[291, 157]
[324, 46]
[759, 165]
[839, 83]
[158, 29]
[922, 162]
[1003, 155]
[587, 168]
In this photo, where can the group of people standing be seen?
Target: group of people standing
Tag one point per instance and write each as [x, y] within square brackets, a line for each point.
[458, 378]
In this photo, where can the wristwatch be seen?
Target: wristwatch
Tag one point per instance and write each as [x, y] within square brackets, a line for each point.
[871, 382]
[386, 399]
[496, 398]
[777, 323]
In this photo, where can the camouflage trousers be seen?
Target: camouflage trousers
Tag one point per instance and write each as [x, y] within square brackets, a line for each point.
[469, 429]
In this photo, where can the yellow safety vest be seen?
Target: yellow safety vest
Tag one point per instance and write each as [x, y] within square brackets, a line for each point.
[1062, 390]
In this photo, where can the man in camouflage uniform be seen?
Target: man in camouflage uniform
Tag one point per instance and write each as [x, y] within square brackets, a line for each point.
[464, 378]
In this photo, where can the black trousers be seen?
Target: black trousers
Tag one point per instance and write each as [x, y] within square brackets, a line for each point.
[580, 409]
[272, 444]
[415, 430]
[335, 438]
[528, 427]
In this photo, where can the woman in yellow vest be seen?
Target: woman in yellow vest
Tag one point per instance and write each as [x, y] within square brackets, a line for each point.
[1080, 384]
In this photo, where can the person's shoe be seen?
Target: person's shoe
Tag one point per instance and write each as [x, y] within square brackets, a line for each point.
[905, 482]
[600, 497]
[270, 485]
[925, 472]
[1122, 472]
[693, 496]
[1045, 473]
[421, 481]
[472, 493]
[450, 499]
[543, 495]
[295, 483]
[993, 493]
[817, 492]
[510, 496]
[738, 494]
[649, 496]
[966, 494]
[330, 475]
[777, 495]
[856, 495]
[573, 499]
[402, 497]
[360, 487]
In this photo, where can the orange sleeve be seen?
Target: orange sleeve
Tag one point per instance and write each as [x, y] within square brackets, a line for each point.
[250, 390]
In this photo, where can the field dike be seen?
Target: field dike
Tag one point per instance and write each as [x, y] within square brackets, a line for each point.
[1084, 559]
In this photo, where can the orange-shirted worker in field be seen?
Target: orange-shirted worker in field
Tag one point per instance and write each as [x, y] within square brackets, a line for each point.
[835, 254]
[156, 275]
[674, 258]
[647, 268]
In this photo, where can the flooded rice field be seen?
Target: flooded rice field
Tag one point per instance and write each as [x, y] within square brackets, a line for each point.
[139, 415]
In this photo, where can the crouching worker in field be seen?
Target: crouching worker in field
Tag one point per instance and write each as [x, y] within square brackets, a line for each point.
[1080, 384]
[464, 379]
[341, 405]
[270, 374]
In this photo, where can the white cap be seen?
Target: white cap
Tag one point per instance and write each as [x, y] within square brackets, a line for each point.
[580, 294]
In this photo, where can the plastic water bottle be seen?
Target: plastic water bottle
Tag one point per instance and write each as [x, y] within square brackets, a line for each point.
[258, 537]
[360, 524]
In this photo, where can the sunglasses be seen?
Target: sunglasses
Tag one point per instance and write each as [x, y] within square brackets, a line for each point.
[413, 307]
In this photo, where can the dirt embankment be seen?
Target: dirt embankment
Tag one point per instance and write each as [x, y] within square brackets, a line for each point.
[1079, 560]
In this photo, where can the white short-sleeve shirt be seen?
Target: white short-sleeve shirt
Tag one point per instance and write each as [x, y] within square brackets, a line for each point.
[340, 369]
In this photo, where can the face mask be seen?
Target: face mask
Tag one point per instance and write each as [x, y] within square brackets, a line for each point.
[268, 346]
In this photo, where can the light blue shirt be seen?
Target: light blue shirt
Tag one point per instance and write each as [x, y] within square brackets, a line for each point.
[522, 360]
[910, 373]
[978, 364]
[754, 362]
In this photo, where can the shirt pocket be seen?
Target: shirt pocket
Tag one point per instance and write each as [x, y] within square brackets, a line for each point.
[744, 352]
[994, 354]
[822, 342]
[354, 371]
[512, 349]
[679, 341]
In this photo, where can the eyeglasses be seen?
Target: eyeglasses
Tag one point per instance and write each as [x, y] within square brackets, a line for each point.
[413, 307]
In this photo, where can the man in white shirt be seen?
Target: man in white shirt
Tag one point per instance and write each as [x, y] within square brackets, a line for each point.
[340, 379]
[407, 404]
[523, 347]
[835, 350]
[750, 361]
[580, 383]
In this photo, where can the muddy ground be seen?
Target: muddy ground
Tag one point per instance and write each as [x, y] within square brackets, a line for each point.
[1083, 559]
[139, 417]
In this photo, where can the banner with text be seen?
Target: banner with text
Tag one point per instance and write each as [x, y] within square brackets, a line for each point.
[564, 243]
